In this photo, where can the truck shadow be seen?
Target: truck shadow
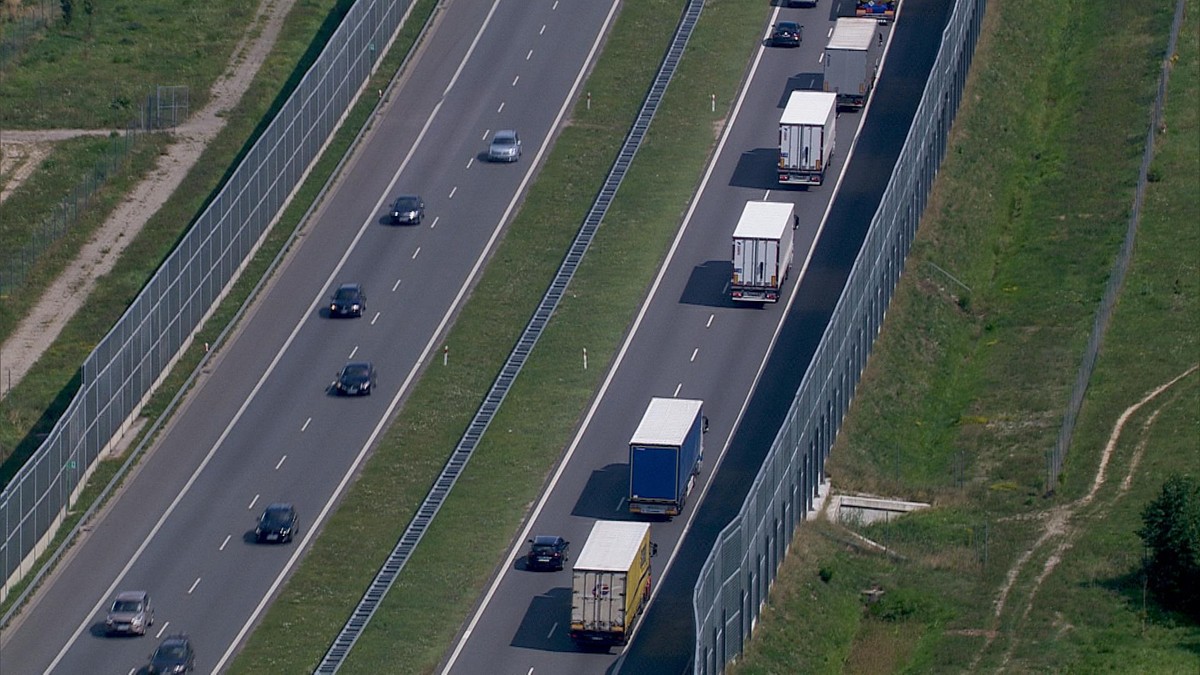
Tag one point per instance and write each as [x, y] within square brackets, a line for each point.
[757, 169]
[546, 623]
[604, 497]
[801, 81]
[708, 285]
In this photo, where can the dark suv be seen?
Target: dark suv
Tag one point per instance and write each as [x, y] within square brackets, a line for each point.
[277, 523]
[547, 553]
[348, 300]
[174, 655]
[408, 209]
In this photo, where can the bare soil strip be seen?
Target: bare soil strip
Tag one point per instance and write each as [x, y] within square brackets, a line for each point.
[68, 293]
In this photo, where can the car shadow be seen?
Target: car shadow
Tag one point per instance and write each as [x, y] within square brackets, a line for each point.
[99, 630]
[708, 285]
[546, 622]
[604, 496]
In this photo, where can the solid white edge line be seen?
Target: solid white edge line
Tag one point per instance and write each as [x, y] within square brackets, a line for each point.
[533, 516]
[629, 338]
[562, 111]
[429, 346]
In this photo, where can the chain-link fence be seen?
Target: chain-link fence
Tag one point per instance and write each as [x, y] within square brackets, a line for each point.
[21, 24]
[121, 373]
[1058, 454]
[166, 108]
[15, 264]
[732, 585]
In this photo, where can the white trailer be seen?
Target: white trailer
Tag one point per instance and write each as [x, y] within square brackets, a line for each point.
[806, 137]
[762, 251]
[851, 61]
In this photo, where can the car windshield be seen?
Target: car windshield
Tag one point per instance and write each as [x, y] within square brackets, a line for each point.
[275, 517]
[172, 651]
[543, 548]
[505, 140]
[406, 204]
[786, 27]
[127, 606]
[355, 371]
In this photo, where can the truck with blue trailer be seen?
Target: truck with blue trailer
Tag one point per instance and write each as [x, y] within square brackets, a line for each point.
[883, 11]
[665, 455]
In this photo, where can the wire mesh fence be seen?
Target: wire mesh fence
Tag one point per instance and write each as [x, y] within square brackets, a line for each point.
[20, 24]
[128, 363]
[1108, 302]
[732, 586]
[17, 263]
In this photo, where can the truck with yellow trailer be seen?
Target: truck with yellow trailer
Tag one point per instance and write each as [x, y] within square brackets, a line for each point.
[610, 583]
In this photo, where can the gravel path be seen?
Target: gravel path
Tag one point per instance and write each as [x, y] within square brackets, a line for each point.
[68, 293]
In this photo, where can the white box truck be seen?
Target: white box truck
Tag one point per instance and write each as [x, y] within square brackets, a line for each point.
[610, 583]
[806, 137]
[851, 61]
[762, 251]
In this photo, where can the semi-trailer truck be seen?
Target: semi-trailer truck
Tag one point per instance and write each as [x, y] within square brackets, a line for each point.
[665, 456]
[610, 583]
[851, 61]
[762, 251]
[806, 137]
[883, 11]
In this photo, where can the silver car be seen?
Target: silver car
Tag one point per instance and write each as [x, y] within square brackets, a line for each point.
[505, 147]
[130, 614]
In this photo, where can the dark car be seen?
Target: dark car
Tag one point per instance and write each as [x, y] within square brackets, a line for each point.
[348, 300]
[174, 655]
[277, 523]
[787, 34]
[505, 147]
[547, 552]
[356, 378]
[408, 209]
[130, 613]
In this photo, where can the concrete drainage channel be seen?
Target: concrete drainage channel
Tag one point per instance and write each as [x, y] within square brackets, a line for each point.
[382, 583]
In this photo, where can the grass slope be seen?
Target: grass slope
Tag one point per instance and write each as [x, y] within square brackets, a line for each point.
[966, 389]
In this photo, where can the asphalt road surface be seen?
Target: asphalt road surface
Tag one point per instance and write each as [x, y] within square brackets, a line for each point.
[261, 426]
[692, 342]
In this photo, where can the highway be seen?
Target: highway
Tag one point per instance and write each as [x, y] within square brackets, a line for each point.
[690, 341]
[260, 425]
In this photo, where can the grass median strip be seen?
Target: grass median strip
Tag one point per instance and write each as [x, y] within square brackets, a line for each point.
[414, 626]
[966, 387]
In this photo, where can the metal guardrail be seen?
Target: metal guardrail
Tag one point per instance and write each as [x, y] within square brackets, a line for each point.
[123, 370]
[732, 585]
[419, 525]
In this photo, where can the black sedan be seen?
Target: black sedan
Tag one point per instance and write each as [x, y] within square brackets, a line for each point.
[356, 378]
[787, 34]
[408, 210]
[174, 655]
[547, 552]
[278, 523]
[348, 300]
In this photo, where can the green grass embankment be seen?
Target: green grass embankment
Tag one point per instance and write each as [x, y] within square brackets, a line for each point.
[966, 388]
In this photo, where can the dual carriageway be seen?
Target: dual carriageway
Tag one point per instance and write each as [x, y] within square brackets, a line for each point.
[261, 428]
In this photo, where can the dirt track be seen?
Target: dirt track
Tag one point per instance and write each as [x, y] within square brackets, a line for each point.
[24, 150]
